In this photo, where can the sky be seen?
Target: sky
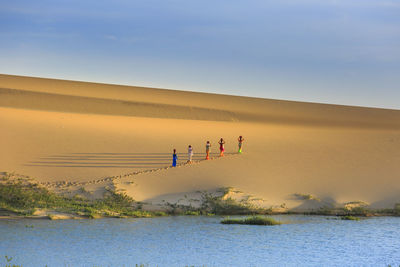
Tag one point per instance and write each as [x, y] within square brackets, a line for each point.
[328, 51]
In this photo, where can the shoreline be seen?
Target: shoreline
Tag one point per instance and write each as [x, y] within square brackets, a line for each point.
[77, 217]
[23, 197]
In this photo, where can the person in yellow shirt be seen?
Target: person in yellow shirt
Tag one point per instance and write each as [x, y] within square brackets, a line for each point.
[240, 140]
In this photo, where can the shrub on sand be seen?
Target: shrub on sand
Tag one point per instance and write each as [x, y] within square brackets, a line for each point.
[23, 198]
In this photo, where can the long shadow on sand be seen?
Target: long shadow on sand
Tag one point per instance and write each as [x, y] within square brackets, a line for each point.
[113, 160]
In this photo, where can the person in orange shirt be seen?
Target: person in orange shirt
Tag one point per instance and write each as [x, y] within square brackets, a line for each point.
[208, 148]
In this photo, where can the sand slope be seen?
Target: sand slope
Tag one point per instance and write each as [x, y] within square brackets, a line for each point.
[57, 130]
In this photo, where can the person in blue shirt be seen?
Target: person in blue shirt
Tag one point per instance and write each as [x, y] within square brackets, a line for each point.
[174, 158]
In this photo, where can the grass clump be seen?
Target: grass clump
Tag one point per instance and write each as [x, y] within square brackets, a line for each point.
[396, 209]
[334, 211]
[193, 213]
[223, 205]
[21, 198]
[358, 211]
[9, 264]
[349, 218]
[254, 220]
[215, 204]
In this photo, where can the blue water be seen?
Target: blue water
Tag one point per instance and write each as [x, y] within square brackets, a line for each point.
[201, 241]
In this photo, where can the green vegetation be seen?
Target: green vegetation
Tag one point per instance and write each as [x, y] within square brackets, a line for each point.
[254, 220]
[22, 198]
[358, 211]
[396, 209]
[389, 212]
[334, 211]
[349, 218]
[223, 205]
[8, 264]
[192, 213]
[211, 204]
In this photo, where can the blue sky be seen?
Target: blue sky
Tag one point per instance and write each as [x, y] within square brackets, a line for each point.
[343, 52]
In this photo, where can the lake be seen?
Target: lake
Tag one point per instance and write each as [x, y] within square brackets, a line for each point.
[201, 241]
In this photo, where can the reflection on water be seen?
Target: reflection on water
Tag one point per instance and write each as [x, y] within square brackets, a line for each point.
[181, 241]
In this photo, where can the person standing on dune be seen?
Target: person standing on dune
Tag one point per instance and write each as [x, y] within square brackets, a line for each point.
[221, 147]
[240, 140]
[190, 154]
[174, 158]
[208, 147]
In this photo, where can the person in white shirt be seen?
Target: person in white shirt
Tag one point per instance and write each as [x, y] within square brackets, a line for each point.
[190, 154]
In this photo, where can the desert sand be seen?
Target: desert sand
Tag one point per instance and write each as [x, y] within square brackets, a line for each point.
[68, 135]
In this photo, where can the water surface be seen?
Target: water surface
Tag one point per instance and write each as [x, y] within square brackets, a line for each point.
[187, 240]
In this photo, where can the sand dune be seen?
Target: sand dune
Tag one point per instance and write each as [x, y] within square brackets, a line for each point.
[79, 132]
[83, 97]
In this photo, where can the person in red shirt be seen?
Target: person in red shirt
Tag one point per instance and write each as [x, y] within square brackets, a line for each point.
[221, 147]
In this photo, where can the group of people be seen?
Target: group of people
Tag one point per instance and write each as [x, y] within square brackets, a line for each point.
[221, 143]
